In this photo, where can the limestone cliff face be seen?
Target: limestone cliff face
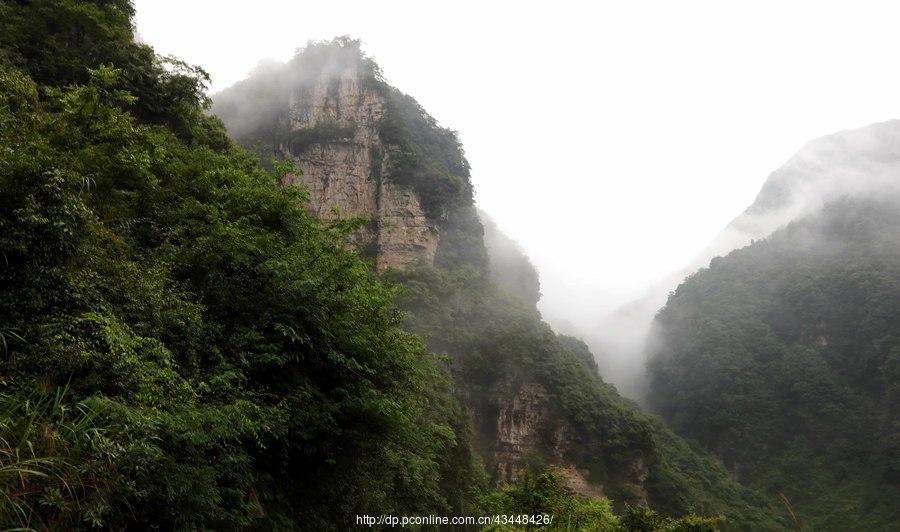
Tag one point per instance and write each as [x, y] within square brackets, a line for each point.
[333, 135]
[519, 418]
[521, 421]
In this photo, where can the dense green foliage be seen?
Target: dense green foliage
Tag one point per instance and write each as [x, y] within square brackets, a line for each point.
[545, 495]
[54, 40]
[52, 457]
[783, 359]
[229, 361]
[497, 340]
[424, 156]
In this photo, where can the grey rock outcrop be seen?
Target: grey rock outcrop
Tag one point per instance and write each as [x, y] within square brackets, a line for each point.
[346, 167]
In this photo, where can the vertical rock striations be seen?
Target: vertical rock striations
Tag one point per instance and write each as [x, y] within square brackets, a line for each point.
[330, 117]
[333, 133]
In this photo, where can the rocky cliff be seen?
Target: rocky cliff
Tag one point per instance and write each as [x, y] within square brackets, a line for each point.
[334, 119]
[347, 172]
[522, 424]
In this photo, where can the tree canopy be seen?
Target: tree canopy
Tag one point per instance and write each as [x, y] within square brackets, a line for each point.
[782, 358]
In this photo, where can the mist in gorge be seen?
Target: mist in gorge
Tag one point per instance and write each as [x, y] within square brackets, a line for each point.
[467, 266]
[862, 163]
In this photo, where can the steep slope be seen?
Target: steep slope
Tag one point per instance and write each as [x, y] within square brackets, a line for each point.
[366, 150]
[862, 162]
[185, 346]
[534, 397]
[783, 357]
[511, 270]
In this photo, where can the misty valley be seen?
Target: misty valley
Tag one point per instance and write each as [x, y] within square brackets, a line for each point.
[277, 306]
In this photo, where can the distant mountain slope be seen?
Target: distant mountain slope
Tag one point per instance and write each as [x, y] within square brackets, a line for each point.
[862, 162]
[784, 357]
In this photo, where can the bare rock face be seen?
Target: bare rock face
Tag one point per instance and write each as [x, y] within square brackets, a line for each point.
[521, 419]
[406, 236]
[334, 123]
[525, 424]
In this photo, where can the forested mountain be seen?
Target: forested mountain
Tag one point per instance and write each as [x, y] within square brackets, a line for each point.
[783, 357]
[185, 345]
[192, 342]
[534, 397]
[861, 163]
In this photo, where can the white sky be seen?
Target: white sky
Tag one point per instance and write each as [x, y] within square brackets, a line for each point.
[613, 140]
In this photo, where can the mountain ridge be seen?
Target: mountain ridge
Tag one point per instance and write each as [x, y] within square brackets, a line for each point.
[859, 162]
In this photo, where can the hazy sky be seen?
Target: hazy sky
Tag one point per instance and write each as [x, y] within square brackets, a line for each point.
[613, 140]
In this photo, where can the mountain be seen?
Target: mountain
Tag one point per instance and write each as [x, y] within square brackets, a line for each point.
[534, 397]
[365, 149]
[195, 336]
[862, 162]
[185, 346]
[781, 357]
[192, 342]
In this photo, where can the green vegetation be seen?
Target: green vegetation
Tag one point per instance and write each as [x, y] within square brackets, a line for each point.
[53, 461]
[496, 339]
[424, 156]
[262, 129]
[545, 495]
[229, 362]
[782, 358]
[187, 347]
[511, 270]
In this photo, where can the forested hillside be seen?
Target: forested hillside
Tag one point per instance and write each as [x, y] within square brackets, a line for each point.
[783, 359]
[187, 345]
[184, 344]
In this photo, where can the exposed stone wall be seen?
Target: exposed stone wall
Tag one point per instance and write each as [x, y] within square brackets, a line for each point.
[522, 422]
[522, 417]
[349, 176]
